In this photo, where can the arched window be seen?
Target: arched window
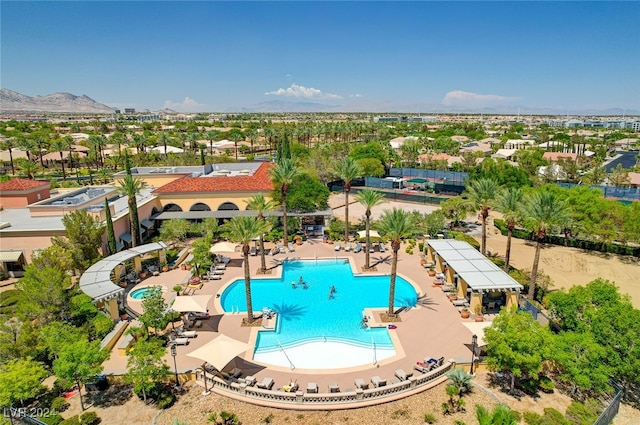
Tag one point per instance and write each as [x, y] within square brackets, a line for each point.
[228, 206]
[172, 207]
[199, 206]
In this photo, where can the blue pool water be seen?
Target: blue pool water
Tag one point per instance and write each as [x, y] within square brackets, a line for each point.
[309, 314]
[138, 294]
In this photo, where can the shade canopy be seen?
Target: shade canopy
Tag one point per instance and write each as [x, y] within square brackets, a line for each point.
[196, 303]
[372, 234]
[223, 247]
[219, 351]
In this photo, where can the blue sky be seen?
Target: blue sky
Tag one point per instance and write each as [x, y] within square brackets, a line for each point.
[360, 56]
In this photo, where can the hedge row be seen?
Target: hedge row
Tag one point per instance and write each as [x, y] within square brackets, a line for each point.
[588, 245]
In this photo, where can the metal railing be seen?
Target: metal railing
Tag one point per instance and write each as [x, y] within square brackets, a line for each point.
[611, 410]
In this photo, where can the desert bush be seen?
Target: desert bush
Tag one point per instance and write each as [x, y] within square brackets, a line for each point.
[89, 418]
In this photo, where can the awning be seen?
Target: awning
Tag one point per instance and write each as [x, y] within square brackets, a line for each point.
[372, 234]
[10, 256]
[126, 237]
[147, 224]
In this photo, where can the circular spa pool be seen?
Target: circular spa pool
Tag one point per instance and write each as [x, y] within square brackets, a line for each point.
[318, 328]
[140, 293]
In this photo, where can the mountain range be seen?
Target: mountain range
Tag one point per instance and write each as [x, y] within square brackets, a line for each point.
[11, 101]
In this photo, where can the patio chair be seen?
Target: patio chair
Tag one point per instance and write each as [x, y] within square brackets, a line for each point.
[359, 383]
[358, 248]
[371, 249]
[180, 341]
[378, 382]
[381, 247]
[422, 367]
[290, 247]
[265, 384]
[187, 334]
[347, 246]
[253, 251]
[334, 387]
[402, 375]
[249, 380]
[312, 388]
[337, 247]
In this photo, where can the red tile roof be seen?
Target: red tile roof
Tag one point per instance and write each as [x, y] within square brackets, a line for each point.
[259, 181]
[19, 185]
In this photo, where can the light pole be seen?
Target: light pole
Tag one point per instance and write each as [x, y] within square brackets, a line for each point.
[174, 353]
[474, 344]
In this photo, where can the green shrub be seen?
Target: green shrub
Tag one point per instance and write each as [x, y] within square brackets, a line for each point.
[421, 246]
[466, 238]
[583, 414]
[268, 419]
[546, 385]
[430, 418]
[61, 385]
[553, 417]
[166, 400]
[74, 420]
[52, 419]
[531, 418]
[400, 413]
[59, 404]
[89, 418]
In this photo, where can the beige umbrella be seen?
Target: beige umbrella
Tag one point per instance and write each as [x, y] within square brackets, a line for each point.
[197, 303]
[223, 247]
[372, 234]
[218, 352]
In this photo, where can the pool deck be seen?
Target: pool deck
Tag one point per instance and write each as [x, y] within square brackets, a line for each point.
[434, 328]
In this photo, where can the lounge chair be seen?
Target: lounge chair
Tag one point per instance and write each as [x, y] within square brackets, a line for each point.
[281, 249]
[381, 247]
[360, 384]
[235, 373]
[337, 247]
[249, 380]
[253, 251]
[265, 384]
[291, 247]
[357, 248]
[347, 246]
[180, 341]
[378, 382]
[187, 334]
[312, 388]
[402, 375]
[371, 248]
[334, 387]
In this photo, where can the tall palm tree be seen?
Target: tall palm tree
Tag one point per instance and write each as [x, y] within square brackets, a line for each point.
[236, 137]
[10, 145]
[260, 204]
[509, 203]
[283, 175]
[130, 187]
[42, 143]
[395, 224]
[61, 145]
[543, 211]
[27, 145]
[243, 230]
[347, 169]
[481, 194]
[369, 198]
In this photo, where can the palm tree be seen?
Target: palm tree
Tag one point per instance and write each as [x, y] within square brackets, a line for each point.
[283, 175]
[509, 203]
[243, 230]
[9, 145]
[395, 224]
[236, 137]
[130, 187]
[29, 167]
[259, 204]
[481, 194]
[369, 198]
[104, 174]
[543, 211]
[347, 170]
[61, 145]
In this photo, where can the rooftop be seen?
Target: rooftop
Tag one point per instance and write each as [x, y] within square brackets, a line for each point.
[224, 178]
[21, 185]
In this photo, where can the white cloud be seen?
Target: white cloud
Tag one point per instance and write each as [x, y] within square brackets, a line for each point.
[295, 90]
[464, 98]
[355, 95]
[187, 105]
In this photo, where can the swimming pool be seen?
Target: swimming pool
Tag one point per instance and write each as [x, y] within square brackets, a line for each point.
[308, 317]
[140, 293]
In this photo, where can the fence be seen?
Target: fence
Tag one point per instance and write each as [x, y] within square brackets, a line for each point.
[611, 410]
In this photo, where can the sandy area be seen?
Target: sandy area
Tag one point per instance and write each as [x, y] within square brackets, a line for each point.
[566, 266]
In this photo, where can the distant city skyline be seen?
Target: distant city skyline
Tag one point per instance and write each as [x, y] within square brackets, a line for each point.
[330, 56]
